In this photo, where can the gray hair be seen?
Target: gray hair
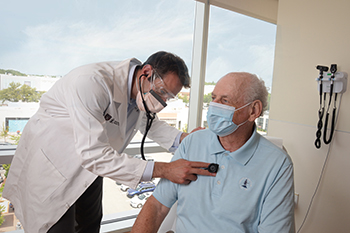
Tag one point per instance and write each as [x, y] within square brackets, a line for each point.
[256, 90]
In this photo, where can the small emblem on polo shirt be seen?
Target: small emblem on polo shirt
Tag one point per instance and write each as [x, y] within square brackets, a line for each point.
[245, 183]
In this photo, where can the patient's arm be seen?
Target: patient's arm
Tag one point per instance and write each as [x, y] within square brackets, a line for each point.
[151, 217]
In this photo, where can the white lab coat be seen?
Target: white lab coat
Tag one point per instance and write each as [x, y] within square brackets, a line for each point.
[78, 133]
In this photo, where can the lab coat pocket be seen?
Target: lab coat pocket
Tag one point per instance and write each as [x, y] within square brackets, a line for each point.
[42, 177]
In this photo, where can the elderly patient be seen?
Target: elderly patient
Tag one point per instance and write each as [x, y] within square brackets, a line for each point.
[253, 190]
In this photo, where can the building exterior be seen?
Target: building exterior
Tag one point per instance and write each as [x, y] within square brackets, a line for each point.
[41, 83]
[16, 114]
[176, 114]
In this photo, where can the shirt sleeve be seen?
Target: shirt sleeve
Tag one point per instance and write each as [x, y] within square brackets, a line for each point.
[166, 191]
[176, 143]
[147, 174]
[278, 209]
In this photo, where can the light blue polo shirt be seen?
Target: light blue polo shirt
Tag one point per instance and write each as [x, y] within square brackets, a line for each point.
[253, 190]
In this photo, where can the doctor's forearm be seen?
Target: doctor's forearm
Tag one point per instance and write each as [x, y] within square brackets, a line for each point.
[159, 170]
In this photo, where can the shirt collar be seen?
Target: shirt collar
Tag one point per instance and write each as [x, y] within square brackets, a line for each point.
[216, 145]
[243, 154]
[133, 65]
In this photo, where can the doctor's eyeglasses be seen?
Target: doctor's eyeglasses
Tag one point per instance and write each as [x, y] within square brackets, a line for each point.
[158, 86]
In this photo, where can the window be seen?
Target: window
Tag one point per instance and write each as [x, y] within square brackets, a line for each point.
[239, 43]
[17, 124]
[44, 41]
[72, 33]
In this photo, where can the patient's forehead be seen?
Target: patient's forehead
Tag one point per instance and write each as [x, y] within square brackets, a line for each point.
[232, 85]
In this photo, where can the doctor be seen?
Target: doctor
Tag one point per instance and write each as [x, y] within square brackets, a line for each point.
[84, 123]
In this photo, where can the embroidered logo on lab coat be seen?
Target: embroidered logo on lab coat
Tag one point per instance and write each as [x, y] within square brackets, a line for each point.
[110, 119]
[245, 183]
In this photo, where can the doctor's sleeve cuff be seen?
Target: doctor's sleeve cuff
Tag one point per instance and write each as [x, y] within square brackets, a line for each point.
[148, 172]
[176, 143]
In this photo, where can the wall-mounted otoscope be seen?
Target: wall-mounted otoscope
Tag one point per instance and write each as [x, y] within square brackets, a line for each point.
[332, 82]
[321, 109]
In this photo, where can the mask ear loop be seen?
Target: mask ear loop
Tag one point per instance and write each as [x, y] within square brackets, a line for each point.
[150, 118]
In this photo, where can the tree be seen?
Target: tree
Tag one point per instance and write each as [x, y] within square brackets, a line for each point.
[207, 98]
[185, 128]
[29, 94]
[4, 131]
[13, 72]
[15, 92]
[268, 101]
[2, 219]
[15, 138]
[11, 93]
[2, 208]
[184, 98]
[7, 169]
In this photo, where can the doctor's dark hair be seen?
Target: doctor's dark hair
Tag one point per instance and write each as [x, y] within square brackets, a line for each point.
[164, 62]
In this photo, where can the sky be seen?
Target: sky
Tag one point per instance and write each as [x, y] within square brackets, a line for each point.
[43, 37]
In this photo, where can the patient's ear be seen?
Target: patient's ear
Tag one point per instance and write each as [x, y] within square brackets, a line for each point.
[256, 109]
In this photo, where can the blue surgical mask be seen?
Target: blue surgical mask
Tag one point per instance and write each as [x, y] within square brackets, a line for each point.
[219, 118]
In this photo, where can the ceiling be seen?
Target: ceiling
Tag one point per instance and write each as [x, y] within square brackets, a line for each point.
[261, 9]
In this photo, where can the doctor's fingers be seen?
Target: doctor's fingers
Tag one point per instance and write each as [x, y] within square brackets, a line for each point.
[192, 176]
[202, 172]
[197, 168]
[191, 168]
[194, 164]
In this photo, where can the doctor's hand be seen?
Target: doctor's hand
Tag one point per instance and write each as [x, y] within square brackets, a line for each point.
[181, 171]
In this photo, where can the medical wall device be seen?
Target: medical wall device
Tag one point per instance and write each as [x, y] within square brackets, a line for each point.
[330, 84]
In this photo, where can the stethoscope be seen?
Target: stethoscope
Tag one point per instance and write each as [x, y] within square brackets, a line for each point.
[150, 115]
[322, 106]
[212, 168]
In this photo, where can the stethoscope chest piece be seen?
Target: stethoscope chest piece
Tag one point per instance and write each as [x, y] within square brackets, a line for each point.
[213, 168]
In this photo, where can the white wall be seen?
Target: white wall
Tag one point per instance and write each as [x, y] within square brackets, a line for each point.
[310, 33]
